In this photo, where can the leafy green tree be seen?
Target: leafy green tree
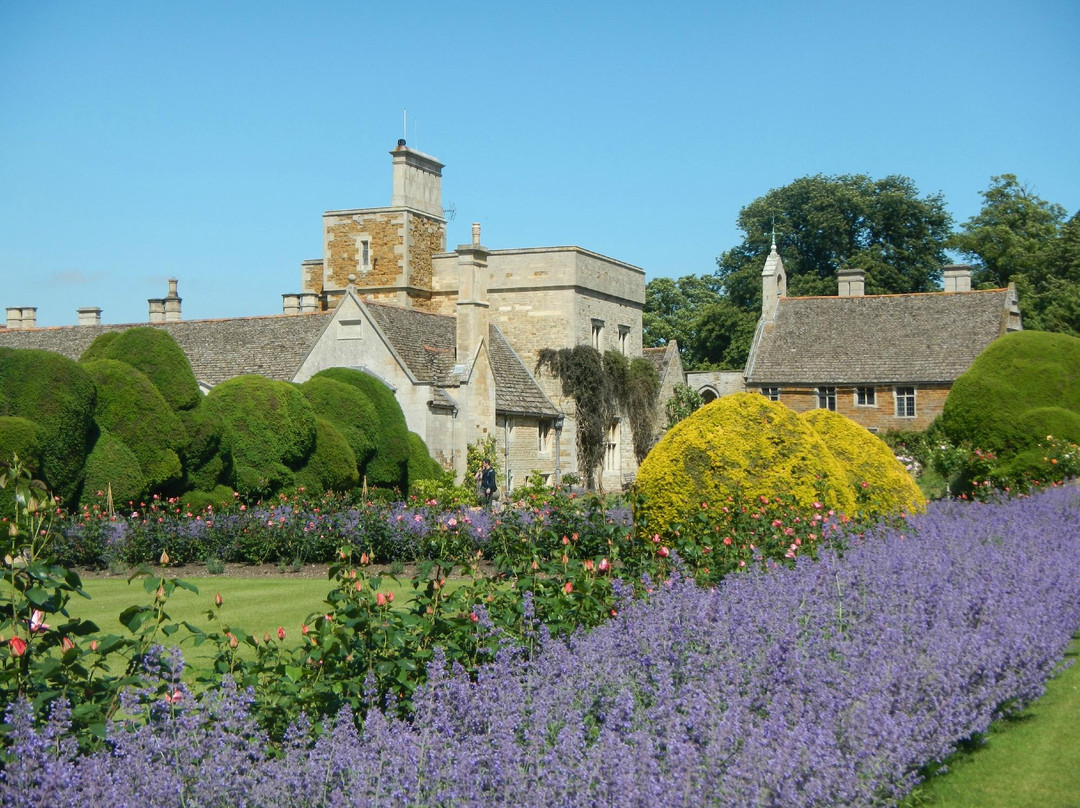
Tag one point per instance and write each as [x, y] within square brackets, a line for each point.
[723, 334]
[1012, 235]
[671, 308]
[823, 224]
[1060, 310]
[684, 401]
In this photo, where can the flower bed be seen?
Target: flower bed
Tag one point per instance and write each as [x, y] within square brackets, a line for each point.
[829, 682]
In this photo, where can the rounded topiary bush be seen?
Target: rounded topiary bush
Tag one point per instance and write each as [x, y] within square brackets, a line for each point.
[422, 466]
[348, 409]
[112, 467]
[331, 466]
[742, 446]
[206, 455]
[58, 395]
[388, 467]
[269, 428]
[18, 436]
[880, 483]
[155, 353]
[990, 406]
[131, 408]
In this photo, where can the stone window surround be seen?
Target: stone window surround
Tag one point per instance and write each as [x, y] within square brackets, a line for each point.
[865, 397]
[771, 393]
[905, 402]
[598, 334]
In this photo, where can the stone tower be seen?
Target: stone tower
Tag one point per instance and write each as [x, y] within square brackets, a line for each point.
[387, 250]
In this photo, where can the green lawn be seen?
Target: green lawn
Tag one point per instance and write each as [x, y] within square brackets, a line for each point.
[1029, 761]
[257, 605]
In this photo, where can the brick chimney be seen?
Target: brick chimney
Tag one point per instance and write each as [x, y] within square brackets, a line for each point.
[89, 315]
[852, 282]
[957, 278]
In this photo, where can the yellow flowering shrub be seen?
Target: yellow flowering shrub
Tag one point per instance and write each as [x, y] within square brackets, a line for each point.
[879, 481]
[742, 446]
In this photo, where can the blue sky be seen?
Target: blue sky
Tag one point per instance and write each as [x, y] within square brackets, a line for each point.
[141, 141]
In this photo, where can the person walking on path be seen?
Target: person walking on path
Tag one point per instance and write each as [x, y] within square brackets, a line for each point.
[487, 483]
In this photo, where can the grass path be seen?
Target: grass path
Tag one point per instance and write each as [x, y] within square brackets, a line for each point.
[1029, 761]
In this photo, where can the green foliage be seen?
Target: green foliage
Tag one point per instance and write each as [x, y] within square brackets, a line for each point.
[479, 450]
[131, 408]
[113, 469]
[388, 467]
[683, 402]
[585, 379]
[269, 428]
[18, 436]
[206, 456]
[672, 313]
[639, 402]
[350, 410]
[58, 396]
[882, 486]
[422, 466]
[1012, 234]
[218, 499]
[741, 446]
[992, 405]
[332, 464]
[97, 348]
[155, 353]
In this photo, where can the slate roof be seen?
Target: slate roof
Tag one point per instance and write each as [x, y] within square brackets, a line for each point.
[218, 350]
[275, 347]
[878, 339]
[425, 342]
[516, 390]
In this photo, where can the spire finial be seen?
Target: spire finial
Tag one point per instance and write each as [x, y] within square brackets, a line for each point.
[773, 234]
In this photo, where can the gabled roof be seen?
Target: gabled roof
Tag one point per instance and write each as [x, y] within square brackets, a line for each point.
[664, 358]
[425, 342]
[915, 338]
[516, 389]
[218, 350]
[276, 346]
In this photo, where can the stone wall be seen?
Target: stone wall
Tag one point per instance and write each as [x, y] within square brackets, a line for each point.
[385, 232]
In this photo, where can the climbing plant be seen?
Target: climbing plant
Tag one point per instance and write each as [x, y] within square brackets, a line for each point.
[601, 387]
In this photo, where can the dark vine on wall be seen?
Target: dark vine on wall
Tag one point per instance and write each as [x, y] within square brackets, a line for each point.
[603, 387]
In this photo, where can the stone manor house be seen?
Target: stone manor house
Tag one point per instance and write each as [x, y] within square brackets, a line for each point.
[455, 333]
[885, 361]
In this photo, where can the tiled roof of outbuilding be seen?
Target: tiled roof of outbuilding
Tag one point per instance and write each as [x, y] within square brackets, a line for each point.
[931, 337]
[218, 350]
[515, 388]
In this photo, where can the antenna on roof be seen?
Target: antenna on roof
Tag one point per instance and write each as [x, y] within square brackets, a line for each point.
[450, 212]
[404, 124]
